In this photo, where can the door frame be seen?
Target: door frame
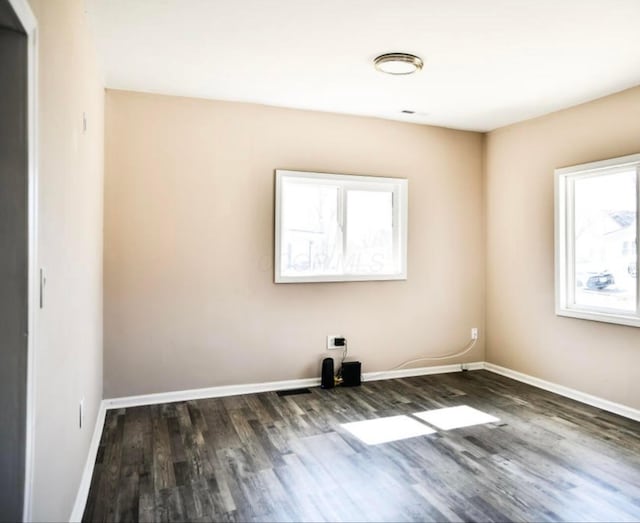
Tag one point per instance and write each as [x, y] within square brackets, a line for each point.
[30, 27]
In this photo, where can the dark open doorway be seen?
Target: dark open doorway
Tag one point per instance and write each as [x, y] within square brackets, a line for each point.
[14, 238]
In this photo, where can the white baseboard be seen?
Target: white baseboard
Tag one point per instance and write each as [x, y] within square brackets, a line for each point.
[583, 397]
[87, 472]
[209, 392]
[421, 371]
[250, 388]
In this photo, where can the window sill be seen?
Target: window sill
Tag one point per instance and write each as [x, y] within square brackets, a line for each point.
[606, 317]
[339, 278]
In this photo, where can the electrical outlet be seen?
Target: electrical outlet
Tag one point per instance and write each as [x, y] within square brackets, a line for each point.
[474, 333]
[81, 413]
[331, 342]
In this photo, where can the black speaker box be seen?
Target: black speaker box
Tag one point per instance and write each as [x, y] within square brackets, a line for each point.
[327, 380]
[351, 374]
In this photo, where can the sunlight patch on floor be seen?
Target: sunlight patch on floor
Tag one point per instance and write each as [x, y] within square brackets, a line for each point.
[383, 430]
[455, 417]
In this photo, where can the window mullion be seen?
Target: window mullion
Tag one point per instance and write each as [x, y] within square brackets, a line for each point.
[570, 242]
[343, 225]
[395, 227]
[637, 241]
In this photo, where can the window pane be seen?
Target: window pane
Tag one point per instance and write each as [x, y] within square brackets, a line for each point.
[605, 241]
[311, 241]
[337, 227]
[369, 232]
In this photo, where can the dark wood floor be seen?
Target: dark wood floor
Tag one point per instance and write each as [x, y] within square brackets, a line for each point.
[262, 457]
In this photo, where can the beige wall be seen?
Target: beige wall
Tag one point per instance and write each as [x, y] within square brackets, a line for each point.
[189, 295]
[69, 335]
[523, 332]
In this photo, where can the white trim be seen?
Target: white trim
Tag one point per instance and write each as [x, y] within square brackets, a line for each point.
[398, 187]
[249, 388]
[421, 371]
[24, 13]
[209, 392]
[564, 241]
[582, 397]
[29, 24]
[87, 472]
[622, 161]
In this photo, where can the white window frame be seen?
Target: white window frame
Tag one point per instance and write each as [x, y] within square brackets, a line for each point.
[564, 241]
[399, 188]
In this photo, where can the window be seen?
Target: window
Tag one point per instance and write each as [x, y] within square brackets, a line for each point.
[335, 227]
[597, 241]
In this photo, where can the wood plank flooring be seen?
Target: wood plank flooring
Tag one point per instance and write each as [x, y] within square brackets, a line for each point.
[261, 457]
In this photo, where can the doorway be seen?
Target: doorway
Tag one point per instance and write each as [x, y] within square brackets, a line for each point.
[14, 261]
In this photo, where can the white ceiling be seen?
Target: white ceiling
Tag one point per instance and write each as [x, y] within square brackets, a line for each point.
[488, 63]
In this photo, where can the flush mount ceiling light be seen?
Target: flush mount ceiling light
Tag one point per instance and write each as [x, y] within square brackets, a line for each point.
[398, 63]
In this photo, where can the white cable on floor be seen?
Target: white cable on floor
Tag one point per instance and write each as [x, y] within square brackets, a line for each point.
[435, 358]
[427, 358]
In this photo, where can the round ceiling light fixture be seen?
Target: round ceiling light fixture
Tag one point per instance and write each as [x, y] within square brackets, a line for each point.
[398, 63]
